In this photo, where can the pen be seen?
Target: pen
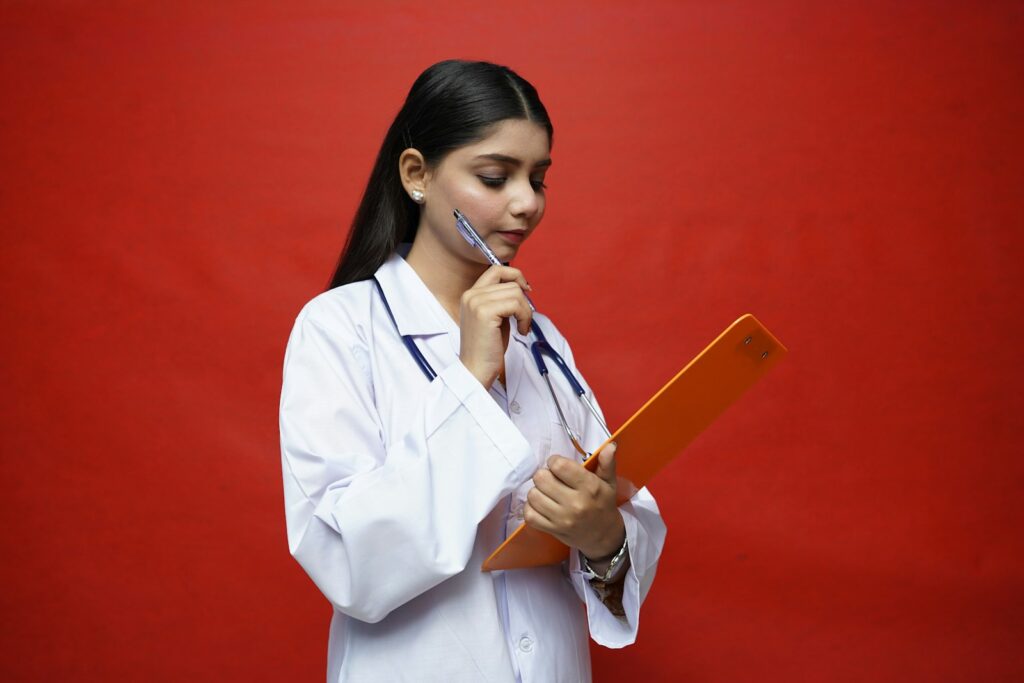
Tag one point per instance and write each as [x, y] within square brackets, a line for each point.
[470, 234]
[540, 346]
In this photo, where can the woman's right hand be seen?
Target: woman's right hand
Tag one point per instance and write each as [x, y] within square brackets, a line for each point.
[483, 320]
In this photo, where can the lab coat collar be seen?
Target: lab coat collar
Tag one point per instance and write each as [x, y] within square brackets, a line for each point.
[416, 309]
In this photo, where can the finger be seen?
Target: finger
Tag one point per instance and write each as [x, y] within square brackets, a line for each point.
[551, 486]
[523, 313]
[490, 291]
[496, 274]
[524, 317]
[606, 463]
[501, 292]
[474, 299]
[534, 518]
[496, 287]
[569, 472]
[503, 308]
[543, 503]
[495, 307]
[504, 305]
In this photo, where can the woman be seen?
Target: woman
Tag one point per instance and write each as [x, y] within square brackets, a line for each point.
[397, 487]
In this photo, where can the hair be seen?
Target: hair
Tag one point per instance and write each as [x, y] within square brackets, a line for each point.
[452, 104]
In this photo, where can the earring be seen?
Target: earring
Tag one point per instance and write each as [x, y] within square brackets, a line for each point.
[417, 196]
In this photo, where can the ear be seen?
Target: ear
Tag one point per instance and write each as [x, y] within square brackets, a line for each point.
[413, 170]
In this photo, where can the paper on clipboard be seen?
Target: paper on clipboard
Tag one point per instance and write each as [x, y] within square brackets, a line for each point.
[663, 427]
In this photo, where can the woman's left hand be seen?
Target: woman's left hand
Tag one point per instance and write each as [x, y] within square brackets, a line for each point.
[577, 506]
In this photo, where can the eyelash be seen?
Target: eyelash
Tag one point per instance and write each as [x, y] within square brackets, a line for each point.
[491, 181]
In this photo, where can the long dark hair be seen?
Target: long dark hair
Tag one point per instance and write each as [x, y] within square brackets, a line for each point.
[451, 104]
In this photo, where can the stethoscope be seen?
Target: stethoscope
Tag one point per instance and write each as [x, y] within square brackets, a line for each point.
[539, 348]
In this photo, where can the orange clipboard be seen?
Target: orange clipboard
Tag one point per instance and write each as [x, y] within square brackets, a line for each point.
[663, 427]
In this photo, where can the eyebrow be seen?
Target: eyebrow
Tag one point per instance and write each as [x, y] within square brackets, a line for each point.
[505, 159]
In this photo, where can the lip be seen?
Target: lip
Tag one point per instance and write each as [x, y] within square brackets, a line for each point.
[512, 236]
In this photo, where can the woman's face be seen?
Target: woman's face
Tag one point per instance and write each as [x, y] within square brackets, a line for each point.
[497, 183]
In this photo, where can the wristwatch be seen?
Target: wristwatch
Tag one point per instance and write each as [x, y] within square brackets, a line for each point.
[615, 565]
[608, 587]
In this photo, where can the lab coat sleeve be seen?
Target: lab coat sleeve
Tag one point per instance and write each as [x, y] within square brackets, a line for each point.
[645, 534]
[374, 529]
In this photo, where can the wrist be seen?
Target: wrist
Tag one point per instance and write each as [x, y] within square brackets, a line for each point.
[610, 547]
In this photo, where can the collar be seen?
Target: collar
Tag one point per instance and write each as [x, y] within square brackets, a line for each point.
[416, 310]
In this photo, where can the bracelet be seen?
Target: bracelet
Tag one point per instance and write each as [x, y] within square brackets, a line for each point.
[615, 561]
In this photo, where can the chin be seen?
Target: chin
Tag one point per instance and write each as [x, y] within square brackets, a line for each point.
[506, 253]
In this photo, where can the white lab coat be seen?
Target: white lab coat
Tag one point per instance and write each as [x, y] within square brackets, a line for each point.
[396, 490]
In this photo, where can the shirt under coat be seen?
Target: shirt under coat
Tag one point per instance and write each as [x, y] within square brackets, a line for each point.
[396, 489]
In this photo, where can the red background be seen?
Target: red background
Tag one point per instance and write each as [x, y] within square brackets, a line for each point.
[176, 180]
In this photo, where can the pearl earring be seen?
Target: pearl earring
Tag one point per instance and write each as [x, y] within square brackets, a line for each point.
[417, 196]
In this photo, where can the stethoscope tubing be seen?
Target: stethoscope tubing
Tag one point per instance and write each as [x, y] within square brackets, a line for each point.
[539, 348]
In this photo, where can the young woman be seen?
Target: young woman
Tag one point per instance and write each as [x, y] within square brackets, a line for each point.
[398, 484]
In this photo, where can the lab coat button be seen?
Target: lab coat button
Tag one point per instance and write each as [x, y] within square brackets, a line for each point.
[526, 644]
[515, 407]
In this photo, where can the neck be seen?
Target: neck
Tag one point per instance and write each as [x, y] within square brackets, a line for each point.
[445, 274]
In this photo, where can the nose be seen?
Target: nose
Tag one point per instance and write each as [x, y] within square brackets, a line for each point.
[525, 202]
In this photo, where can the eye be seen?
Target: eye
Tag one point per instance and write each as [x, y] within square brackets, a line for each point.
[538, 185]
[492, 181]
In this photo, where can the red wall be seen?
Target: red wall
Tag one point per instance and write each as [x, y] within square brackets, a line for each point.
[176, 180]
